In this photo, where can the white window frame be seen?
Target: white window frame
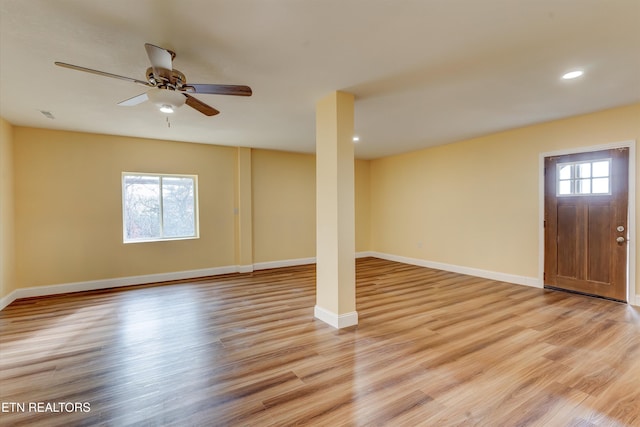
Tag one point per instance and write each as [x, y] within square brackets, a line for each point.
[196, 205]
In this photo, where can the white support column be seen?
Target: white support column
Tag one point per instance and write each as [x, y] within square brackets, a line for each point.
[335, 211]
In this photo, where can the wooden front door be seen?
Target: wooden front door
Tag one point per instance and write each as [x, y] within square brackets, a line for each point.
[586, 199]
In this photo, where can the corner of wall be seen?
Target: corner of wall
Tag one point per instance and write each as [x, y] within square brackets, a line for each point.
[363, 204]
[243, 211]
[7, 249]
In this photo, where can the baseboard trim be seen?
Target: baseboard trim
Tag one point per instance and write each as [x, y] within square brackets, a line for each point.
[338, 321]
[637, 304]
[92, 285]
[333, 319]
[485, 274]
[245, 268]
[365, 254]
[284, 263]
[7, 299]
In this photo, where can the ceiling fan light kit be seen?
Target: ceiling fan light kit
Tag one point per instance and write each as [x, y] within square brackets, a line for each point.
[167, 100]
[168, 88]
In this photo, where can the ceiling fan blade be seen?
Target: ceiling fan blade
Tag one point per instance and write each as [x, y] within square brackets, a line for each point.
[138, 99]
[102, 73]
[161, 59]
[220, 89]
[200, 106]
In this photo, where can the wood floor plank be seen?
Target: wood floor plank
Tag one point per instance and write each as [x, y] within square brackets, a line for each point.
[431, 348]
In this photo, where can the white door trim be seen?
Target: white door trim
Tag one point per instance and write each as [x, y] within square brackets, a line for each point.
[631, 253]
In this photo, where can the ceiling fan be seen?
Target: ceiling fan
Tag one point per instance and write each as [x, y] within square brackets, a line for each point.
[168, 87]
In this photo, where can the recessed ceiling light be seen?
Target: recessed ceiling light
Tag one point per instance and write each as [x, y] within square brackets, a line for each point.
[573, 74]
[356, 138]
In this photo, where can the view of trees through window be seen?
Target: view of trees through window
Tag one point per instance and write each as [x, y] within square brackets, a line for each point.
[157, 207]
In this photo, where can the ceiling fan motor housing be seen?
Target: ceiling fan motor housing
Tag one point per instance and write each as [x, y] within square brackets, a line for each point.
[169, 78]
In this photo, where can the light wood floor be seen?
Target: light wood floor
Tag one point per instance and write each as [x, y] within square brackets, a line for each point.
[432, 348]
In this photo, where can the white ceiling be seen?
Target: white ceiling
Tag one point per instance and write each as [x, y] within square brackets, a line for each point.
[424, 72]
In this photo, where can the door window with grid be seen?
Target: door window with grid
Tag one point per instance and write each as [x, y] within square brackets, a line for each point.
[584, 178]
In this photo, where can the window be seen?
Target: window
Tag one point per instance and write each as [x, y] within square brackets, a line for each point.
[159, 207]
[584, 178]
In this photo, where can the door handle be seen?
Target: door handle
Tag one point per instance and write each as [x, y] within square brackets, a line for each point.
[620, 239]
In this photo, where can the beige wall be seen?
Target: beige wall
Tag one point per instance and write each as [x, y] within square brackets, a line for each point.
[362, 174]
[284, 203]
[7, 265]
[69, 209]
[475, 203]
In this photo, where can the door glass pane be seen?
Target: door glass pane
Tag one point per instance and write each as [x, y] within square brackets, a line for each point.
[583, 186]
[584, 170]
[565, 172]
[601, 185]
[601, 169]
[564, 188]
